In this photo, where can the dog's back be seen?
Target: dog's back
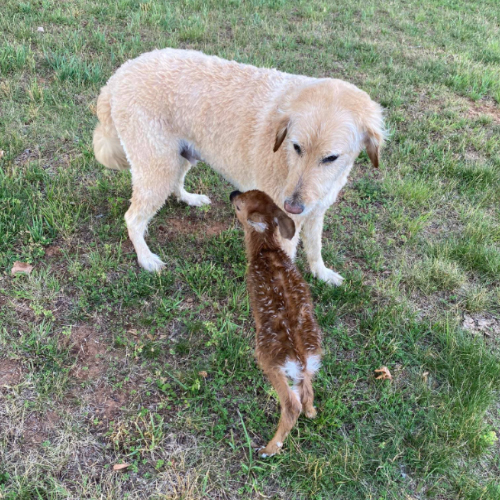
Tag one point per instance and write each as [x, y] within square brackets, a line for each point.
[287, 336]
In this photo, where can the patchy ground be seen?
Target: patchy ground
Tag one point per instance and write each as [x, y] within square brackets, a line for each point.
[103, 364]
[10, 372]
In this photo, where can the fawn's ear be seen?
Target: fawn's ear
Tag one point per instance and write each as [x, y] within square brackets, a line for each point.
[257, 221]
[285, 224]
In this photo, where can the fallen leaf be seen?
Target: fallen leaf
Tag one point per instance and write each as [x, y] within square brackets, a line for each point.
[384, 374]
[203, 374]
[120, 466]
[425, 375]
[150, 337]
[21, 268]
[1, 153]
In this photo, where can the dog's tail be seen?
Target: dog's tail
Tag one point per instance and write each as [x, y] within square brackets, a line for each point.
[107, 147]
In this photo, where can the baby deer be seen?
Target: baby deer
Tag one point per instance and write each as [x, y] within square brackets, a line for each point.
[287, 336]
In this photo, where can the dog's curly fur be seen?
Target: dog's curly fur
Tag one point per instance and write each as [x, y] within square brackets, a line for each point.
[293, 137]
[288, 339]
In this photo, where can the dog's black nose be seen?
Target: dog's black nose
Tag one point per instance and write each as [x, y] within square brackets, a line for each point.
[233, 195]
[294, 207]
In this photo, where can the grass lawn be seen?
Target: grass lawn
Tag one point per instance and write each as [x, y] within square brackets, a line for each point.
[102, 363]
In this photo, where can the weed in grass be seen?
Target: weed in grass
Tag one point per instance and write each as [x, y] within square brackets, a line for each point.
[477, 298]
[433, 274]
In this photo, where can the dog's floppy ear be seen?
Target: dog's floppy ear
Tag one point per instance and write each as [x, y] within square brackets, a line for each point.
[285, 224]
[281, 133]
[257, 221]
[375, 133]
[373, 150]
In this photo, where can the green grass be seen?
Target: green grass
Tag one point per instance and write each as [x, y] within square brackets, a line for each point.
[102, 363]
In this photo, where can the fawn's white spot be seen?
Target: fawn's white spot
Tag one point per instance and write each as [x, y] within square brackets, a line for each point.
[293, 370]
[313, 363]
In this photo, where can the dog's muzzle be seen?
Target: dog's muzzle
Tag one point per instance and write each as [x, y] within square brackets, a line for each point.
[293, 207]
[233, 195]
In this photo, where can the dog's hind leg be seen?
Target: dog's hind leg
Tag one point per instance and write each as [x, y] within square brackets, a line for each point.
[148, 195]
[192, 199]
[154, 164]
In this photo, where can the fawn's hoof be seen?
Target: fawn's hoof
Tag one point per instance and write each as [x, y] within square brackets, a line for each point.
[310, 412]
[270, 450]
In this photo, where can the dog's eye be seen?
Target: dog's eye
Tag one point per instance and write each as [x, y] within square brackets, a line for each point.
[297, 148]
[329, 159]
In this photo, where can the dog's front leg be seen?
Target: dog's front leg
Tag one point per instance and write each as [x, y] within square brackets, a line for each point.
[312, 231]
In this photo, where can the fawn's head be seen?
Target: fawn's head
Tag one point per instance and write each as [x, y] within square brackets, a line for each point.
[260, 216]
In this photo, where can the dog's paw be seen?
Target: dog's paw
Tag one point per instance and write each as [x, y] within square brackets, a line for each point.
[332, 278]
[151, 262]
[195, 200]
[329, 276]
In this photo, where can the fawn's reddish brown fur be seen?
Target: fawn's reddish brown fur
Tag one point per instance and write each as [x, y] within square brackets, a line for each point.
[287, 336]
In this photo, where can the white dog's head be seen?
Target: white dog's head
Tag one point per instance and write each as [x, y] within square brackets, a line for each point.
[321, 128]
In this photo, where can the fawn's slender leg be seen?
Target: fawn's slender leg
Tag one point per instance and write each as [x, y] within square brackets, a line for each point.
[307, 395]
[290, 411]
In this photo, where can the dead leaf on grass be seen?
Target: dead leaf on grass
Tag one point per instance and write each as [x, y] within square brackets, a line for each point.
[21, 268]
[1, 153]
[383, 374]
[120, 466]
[203, 374]
[425, 376]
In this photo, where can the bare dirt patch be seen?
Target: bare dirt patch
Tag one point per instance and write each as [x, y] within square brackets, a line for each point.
[482, 323]
[52, 251]
[481, 108]
[38, 428]
[26, 156]
[10, 372]
[22, 310]
[89, 349]
[201, 228]
[107, 403]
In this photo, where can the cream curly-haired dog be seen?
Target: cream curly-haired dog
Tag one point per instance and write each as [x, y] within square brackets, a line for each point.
[293, 137]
